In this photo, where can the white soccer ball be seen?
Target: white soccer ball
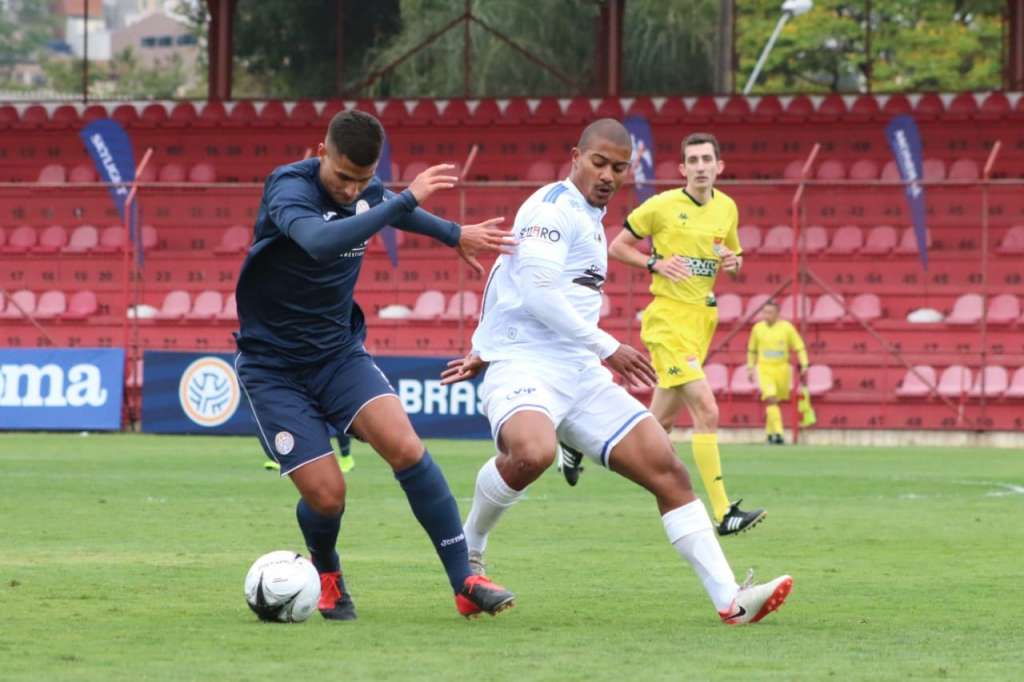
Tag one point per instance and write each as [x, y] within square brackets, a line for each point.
[282, 586]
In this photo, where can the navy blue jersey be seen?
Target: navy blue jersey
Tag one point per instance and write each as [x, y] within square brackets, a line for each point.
[295, 289]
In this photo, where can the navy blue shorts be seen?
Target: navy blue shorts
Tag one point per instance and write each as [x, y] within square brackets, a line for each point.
[295, 408]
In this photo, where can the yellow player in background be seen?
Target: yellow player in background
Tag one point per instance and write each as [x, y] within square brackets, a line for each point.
[771, 342]
[693, 231]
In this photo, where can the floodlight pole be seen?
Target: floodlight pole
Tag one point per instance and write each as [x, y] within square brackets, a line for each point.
[764, 53]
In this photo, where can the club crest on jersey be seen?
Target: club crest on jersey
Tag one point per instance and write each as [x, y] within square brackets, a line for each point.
[362, 206]
[537, 232]
[284, 442]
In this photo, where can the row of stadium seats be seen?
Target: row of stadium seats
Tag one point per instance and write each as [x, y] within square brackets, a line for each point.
[200, 172]
[83, 239]
[520, 111]
[84, 305]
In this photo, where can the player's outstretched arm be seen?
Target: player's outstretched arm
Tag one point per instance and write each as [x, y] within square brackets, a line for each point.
[485, 237]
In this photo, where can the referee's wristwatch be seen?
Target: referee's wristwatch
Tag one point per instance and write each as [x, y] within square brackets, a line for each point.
[651, 261]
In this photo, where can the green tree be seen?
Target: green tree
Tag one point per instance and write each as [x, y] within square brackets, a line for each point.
[24, 32]
[669, 46]
[914, 45]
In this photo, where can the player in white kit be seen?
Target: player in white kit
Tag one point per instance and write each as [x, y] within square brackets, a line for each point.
[539, 340]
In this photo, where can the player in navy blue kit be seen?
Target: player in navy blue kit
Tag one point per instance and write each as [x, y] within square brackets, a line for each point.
[301, 357]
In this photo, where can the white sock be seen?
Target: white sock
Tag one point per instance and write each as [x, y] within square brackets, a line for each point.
[690, 532]
[490, 500]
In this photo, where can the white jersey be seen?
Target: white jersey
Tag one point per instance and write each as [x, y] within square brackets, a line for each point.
[555, 225]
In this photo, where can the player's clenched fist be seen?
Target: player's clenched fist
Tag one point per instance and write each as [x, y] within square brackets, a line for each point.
[632, 365]
[431, 180]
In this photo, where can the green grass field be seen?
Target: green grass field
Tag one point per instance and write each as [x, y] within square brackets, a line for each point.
[122, 558]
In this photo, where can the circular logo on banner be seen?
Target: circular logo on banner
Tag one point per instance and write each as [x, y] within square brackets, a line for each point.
[284, 442]
[362, 206]
[209, 392]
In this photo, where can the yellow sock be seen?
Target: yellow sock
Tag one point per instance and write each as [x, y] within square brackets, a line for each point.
[709, 464]
[773, 419]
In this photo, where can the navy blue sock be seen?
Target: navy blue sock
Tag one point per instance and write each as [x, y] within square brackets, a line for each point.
[321, 534]
[434, 507]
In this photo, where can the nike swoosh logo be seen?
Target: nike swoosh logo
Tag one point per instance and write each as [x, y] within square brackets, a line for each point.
[742, 612]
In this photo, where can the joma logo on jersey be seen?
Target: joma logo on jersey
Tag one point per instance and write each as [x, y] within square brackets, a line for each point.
[538, 232]
[702, 267]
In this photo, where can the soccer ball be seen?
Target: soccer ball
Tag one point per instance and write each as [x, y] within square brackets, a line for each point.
[282, 586]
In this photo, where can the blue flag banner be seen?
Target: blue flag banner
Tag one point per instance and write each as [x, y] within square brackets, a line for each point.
[384, 173]
[111, 150]
[200, 393]
[61, 389]
[643, 156]
[905, 142]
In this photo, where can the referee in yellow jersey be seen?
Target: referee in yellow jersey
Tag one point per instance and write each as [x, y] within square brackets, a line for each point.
[693, 234]
[771, 341]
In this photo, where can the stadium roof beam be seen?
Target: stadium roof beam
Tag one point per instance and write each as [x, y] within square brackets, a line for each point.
[1014, 73]
[220, 48]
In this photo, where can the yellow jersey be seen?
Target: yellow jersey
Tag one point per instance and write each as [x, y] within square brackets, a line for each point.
[771, 345]
[679, 226]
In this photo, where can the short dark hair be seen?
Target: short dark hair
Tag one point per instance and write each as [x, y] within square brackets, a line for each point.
[357, 135]
[700, 138]
[770, 302]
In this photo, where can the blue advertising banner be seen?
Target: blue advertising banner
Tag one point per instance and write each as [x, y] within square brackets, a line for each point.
[905, 142]
[199, 393]
[643, 156]
[61, 389]
[111, 150]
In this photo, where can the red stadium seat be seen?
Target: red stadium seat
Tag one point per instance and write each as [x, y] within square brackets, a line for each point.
[995, 106]
[153, 115]
[964, 169]
[463, 305]
[908, 242]
[83, 239]
[934, 169]
[794, 169]
[799, 109]
[235, 239]
[176, 306]
[541, 171]
[1003, 309]
[53, 172]
[827, 310]
[206, 306]
[667, 170]
[302, 115]
[564, 170]
[212, 114]
[149, 237]
[995, 380]
[929, 106]
[730, 308]
[779, 240]
[34, 116]
[454, 113]
[741, 383]
[954, 381]
[64, 116]
[866, 306]
[891, 172]
[754, 304]
[717, 376]
[578, 111]
[736, 108]
[967, 310]
[81, 306]
[183, 114]
[483, 112]
[83, 172]
[864, 169]
[881, 240]
[865, 108]
[171, 172]
[672, 112]
[202, 172]
[20, 303]
[230, 309]
[750, 237]
[548, 110]
[51, 304]
[126, 114]
[847, 241]
[148, 174]
[51, 240]
[424, 112]
[962, 107]
[8, 116]
[609, 107]
[830, 169]
[703, 110]
[1013, 240]
[768, 108]
[243, 114]
[1016, 388]
[831, 108]
[94, 112]
[819, 379]
[3, 237]
[641, 106]
[814, 238]
[111, 239]
[21, 240]
[786, 310]
[917, 382]
[429, 306]
[517, 112]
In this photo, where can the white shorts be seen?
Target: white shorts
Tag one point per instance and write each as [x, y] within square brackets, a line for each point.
[590, 412]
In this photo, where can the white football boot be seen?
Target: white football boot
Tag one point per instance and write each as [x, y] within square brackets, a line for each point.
[754, 602]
